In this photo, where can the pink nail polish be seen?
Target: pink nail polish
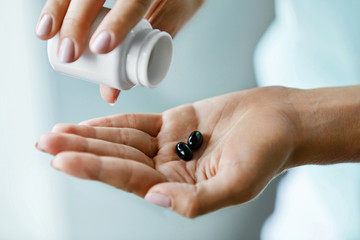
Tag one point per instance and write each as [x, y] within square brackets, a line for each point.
[67, 50]
[44, 26]
[101, 43]
[158, 199]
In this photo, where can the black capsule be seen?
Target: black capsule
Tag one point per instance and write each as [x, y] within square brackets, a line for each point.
[183, 151]
[195, 140]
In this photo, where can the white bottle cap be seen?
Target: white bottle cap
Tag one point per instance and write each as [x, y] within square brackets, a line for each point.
[149, 58]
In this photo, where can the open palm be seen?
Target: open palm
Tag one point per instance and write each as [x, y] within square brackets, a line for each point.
[246, 144]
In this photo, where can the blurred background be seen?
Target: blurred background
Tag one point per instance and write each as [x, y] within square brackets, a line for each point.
[213, 55]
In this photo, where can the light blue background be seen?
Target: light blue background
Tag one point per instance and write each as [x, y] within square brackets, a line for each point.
[213, 55]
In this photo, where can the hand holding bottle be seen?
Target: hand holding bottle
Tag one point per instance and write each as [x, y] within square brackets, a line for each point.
[73, 18]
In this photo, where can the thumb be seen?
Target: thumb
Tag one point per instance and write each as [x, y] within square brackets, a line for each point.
[192, 200]
[109, 94]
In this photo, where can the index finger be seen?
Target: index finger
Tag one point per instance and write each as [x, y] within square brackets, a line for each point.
[146, 122]
[117, 24]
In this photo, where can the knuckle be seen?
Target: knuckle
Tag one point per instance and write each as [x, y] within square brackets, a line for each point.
[121, 151]
[52, 138]
[59, 3]
[73, 20]
[90, 173]
[55, 5]
[73, 162]
[125, 136]
[106, 122]
[113, 22]
[190, 206]
[192, 211]
[130, 120]
[154, 146]
[75, 23]
[128, 180]
[65, 158]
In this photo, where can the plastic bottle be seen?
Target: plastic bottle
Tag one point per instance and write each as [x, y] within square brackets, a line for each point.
[143, 58]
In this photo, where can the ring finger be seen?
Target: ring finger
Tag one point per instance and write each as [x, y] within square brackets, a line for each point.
[120, 173]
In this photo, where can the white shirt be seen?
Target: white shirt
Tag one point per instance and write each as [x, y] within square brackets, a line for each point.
[310, 44]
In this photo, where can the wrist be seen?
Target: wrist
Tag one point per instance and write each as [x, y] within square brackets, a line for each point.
[327, 125]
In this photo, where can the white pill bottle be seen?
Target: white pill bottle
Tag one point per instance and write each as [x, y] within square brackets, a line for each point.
[143, 58]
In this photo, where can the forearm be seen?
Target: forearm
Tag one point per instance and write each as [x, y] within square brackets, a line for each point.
[328, 123]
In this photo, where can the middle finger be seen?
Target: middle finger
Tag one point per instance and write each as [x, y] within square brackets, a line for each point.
[127, 136]
[55, 143]
[75, 28]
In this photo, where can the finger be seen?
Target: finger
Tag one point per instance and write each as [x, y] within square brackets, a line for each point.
[55, 143]
[51, 18]
[109, 94]
[127, 175]
[126, 136]
[146, 122]
[155, 9]
[75, 28]
[194, 200]
[171, 16]
[124, 15]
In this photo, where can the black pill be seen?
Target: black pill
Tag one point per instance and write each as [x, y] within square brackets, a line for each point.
[195, 140]
[183, 151]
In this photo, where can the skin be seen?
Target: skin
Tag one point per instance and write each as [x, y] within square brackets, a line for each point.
[250, 137]
[72, 19]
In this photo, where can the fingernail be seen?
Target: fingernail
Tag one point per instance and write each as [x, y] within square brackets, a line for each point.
[39, 147]
[67, 50]
[116, 96]
[158, 199]
[44, 26]
[56, 164]
[101, 43]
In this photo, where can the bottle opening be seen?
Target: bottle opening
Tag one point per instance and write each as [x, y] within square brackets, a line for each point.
[159, 61]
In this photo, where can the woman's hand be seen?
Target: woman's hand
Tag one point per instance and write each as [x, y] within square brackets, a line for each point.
[72, 18]
[248, 138]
